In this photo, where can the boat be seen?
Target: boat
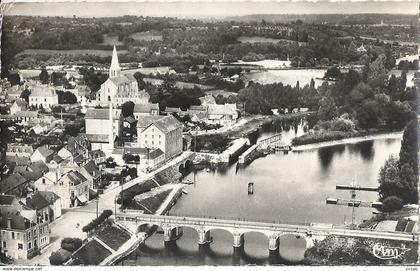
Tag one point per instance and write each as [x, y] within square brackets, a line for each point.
[188, 181]
[185, 191]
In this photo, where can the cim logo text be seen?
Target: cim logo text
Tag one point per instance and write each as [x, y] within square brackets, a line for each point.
[387, 253]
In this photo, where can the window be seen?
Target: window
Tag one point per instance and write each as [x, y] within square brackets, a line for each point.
[29, 245]
[4, 244]
[153, 136]
[145, 136]
[34, 232]
[18, 236]
[13, 235]
[145, 142]
[159, 136]
[153, 142]
[20, 246]
[29, 235]
[45, 100]
[159, 142]
[43, 181]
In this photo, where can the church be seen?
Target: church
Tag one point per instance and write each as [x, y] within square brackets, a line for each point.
[120, 88]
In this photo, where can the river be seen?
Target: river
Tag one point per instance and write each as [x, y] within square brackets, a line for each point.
[288, 187]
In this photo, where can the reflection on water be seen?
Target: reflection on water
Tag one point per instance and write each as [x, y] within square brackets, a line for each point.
[365, 149]
[326, 155]
[186, 251]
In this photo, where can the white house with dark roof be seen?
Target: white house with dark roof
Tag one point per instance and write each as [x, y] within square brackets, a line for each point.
[72, 187]
[43, 96]
[46, 204]
[102, 127]
[27, 117]
[18, 150]
[120, 88]
[164, 133]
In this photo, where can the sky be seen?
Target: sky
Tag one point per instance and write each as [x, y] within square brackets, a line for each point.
[203, 8]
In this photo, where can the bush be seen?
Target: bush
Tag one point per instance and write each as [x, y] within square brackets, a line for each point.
[59, 257]
[391, 204]
[71, 244]
[97, 221]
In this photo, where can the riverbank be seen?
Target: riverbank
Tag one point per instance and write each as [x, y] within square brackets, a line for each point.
[335, 250]
[343, 138]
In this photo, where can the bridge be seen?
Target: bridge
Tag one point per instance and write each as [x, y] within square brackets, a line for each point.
[173, 228]
[274, 142]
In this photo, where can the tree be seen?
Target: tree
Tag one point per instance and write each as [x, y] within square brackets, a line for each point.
[25, 95]
[327, 109]
[127, 109]
[332, 73]
[44, 77]
[389, 180]
[71, 244]
[391, 204]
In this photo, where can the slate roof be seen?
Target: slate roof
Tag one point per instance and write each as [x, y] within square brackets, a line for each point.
[172, 109]
[38, 166]
[18, 222]
[44, 151]
[76, 177]
[91, 168]
[168, 124]
[145, 108]
[42, 91]
[7, 199]
[145, 121]
[130, 119]
[12, 182]
[98, 138]
[123, 79]
[97, 113]
[41, 199]
[20, 103]
[155, 153]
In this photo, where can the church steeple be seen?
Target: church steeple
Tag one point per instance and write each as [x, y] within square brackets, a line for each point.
[115, 69]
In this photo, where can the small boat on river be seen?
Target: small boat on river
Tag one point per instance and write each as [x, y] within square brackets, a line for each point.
[185, 191]
[250, 188]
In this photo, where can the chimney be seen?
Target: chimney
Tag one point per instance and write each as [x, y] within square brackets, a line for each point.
[9, 223]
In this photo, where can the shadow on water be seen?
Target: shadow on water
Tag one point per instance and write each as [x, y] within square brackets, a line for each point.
[365, 149]
[326, 155]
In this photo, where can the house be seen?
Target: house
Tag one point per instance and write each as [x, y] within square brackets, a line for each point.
[46, 204]
[18, 105]
[165, 133]
[13, 93]
[222, 113]
[120, 88]
[129, 122]
[18, 150]
[15, 185]
[208, 99]
[172, 110]
[91, 172]
[149, 158]
[21, 237]
[72, 187]
[43, 154]
[43, 96]
[75, 146]
[26, 117]
[102, 127]
[97, 156]
[39, 129]
[9, 204]
[151, 109]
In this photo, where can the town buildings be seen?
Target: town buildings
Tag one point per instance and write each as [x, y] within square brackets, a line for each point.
[22, 237]
[43, 96]
[46, 204]
[120, 88]
[164, 133]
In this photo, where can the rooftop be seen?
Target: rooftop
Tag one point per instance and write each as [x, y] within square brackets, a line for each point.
[145, 121]
[168, 124]
[145, 108]
[45, 151]
[12, 182]
[41, 199]
[18, 222]
[76, 177]
[43, 91]
[101, 113]
[222, 109]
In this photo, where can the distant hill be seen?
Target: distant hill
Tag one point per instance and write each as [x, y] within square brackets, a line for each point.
[365, 18]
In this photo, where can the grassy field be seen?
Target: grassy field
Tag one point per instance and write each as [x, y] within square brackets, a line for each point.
[92, 253]
[146, 36]
[113, 236]
[101, 53]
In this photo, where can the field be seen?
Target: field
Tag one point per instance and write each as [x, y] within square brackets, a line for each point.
[101, 53]
[113, 236]
[146, 36]
[92, 253]
[255, 39]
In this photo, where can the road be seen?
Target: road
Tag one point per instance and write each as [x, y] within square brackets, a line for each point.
[71, 222]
